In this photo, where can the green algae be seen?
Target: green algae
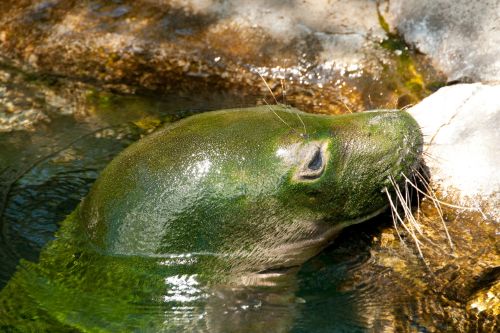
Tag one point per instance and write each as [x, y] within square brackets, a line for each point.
[410, 75]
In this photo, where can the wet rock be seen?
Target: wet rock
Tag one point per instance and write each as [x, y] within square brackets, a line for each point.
[460, 126]
[27, 102]
[30, 102]
[461, 36]
[330, 53]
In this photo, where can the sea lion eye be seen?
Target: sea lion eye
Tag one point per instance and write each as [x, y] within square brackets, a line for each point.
[314, 161]
[317, 161]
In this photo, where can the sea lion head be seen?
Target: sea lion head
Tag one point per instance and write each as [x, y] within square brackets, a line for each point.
[344, 166]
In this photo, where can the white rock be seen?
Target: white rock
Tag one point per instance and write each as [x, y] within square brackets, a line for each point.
[461, 127]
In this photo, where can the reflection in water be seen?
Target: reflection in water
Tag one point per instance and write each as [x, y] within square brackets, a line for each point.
[182, 288]
[73, 286]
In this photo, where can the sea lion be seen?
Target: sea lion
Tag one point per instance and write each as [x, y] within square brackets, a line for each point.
[235, 198]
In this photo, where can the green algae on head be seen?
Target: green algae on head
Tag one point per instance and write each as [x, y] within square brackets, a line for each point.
[229, 198]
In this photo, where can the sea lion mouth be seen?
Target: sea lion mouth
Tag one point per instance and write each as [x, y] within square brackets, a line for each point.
[280, 270]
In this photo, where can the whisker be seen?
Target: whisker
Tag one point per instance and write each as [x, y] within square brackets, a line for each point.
[303, 124]
[410, 232]
[424, 171]
[345, 105]
[430, 156]
[393, 212]
[269, 88]
[418, 198]
[277, 115]
[411, 218]
[413, 223]
[435, 201]
[406, 208]
[284, 101]
[407, 195]
[283, 91]
[406, 107]
[276, 101]
[421, 177]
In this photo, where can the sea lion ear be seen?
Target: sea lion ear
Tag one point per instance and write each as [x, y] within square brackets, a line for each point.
[314, 159]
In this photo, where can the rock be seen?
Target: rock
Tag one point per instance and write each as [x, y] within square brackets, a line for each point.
[329, 52]
[460, 125]
[461, 36]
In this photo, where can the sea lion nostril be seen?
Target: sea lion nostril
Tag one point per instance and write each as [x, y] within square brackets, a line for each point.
[317, 161]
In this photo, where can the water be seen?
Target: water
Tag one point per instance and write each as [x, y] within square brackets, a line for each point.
[367, 280]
